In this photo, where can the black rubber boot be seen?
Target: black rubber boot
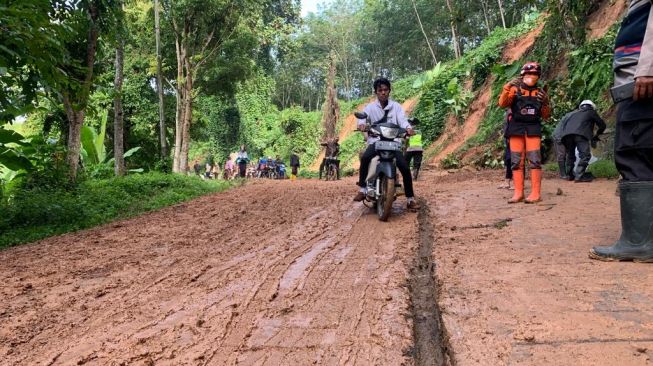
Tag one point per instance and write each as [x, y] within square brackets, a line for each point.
[415, 173]
[563, 171]
[636, 241]
[579, 172]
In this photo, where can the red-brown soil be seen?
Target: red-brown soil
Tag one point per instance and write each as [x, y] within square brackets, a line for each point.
[516, 286]
[272, 273]
[294, 273]
[601, 20]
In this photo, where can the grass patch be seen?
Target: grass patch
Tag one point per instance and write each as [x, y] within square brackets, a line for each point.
[603, 169]
[37, 214]
[550, 167]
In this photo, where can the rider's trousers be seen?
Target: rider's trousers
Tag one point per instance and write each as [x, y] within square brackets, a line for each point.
[402, 165]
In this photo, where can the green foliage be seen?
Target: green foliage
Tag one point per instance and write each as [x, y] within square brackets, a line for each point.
[451, 162]
[590, 76]
[564, 30]
[444, 92]
[603, 169]
[457, 98]
[350, 148]
[403, 89]
[38, 213]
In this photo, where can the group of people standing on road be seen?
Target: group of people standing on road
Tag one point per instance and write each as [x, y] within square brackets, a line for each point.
[579, 130]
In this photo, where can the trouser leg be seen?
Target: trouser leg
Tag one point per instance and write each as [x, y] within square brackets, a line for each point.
[403, 167]
[517, 156]
[534, 156]
[584, 154]
[418, 163]
[322, 167]
[366, 158]
[507, 161]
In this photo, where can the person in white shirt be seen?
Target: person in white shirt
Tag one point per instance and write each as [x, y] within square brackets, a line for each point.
[385, 108]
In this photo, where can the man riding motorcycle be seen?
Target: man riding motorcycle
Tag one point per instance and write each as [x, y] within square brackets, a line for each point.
[391, 112]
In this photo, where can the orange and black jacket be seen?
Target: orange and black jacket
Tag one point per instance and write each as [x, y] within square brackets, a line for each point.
[527, 111]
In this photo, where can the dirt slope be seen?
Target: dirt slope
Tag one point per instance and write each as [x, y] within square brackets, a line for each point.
[455, 135]
[601, 20]
[271, 273]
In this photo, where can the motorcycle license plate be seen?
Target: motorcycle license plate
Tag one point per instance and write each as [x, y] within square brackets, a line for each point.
[387, 146]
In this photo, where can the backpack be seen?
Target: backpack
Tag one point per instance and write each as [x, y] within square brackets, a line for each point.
[527, 108]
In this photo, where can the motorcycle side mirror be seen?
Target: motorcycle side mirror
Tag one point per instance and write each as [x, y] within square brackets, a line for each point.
[360, 115]
[413, 120]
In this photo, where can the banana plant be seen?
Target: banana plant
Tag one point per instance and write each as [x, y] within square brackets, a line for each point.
[94, 152]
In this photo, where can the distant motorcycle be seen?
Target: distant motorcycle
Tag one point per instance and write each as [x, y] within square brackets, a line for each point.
[381, 189]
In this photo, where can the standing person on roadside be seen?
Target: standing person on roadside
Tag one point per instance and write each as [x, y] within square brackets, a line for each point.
[242, 159]
[507, 163]
[385, 108]
[633, 145]
[529, 104]
[577, 132]
[560, 150]
[331, 152]
[294, 165]
[415, 150]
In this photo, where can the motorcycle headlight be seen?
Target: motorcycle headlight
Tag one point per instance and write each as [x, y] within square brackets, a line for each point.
[389, 132]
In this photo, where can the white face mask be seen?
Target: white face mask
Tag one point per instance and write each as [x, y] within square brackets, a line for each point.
[531, 80]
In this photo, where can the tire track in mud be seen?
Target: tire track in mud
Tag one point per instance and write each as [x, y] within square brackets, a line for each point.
[431, 345]
[270, 273]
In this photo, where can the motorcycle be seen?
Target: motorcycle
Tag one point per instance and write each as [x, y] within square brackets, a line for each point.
[382, 173]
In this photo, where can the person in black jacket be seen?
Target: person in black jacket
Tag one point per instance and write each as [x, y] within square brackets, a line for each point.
[578, 133]
[633, 140]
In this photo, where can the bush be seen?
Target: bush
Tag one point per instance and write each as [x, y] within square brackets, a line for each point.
[603, 169]
[39, 213]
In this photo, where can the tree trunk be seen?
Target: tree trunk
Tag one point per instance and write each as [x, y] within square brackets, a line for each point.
[159, 83]
[75, 122]
[331, 111]
[75, 109]
[426, 38]
[503, 18]
[487, 20]
[188, 116]
[118, 122]
[179, 117]
[454, 37]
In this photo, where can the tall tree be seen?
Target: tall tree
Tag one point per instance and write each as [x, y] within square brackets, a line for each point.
[118, 118]
[426, 37]
[503, 18]
[88, 19]
[159, 82]
[331, 109]
[454, 36]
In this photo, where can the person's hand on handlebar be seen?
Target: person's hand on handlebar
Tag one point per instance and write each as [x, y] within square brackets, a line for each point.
[410, 132]
[362, 127]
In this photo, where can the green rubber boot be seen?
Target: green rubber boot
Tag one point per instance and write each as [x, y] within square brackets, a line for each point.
[636, 241]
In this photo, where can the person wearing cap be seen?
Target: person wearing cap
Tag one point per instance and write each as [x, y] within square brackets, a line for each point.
[577, 132]
[529, 105]
[633, 145]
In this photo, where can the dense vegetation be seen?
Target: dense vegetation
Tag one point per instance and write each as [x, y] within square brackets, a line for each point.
[82, 96]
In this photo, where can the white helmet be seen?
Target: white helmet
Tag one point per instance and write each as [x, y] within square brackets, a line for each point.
[587, 102]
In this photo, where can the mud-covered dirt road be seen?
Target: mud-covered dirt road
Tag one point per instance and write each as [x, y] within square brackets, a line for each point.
[272, 273]
[295, 273]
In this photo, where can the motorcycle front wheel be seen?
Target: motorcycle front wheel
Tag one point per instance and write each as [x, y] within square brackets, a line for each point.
[386, 197]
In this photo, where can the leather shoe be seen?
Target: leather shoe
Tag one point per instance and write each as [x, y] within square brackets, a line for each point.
[360, 196]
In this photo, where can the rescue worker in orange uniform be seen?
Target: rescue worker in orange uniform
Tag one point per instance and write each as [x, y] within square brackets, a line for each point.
[529, 105]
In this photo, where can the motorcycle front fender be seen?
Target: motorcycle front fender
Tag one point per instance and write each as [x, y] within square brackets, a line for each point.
[386, 168]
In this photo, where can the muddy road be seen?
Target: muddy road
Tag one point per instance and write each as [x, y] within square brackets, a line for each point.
[295, 273]
[270, 273]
